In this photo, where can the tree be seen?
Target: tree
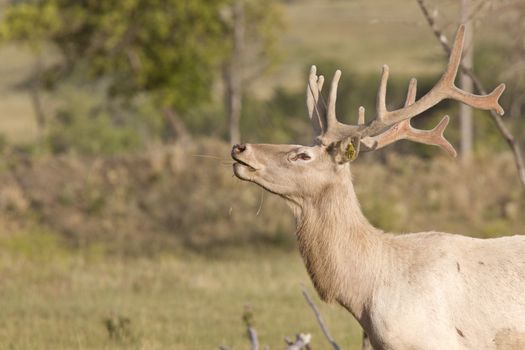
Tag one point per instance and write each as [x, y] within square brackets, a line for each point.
[465, 112]
[253, 28]
[168, 49]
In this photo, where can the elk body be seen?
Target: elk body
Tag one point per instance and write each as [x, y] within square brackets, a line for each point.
[427, 290]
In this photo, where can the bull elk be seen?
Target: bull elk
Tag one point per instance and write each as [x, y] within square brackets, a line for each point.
[426, 290]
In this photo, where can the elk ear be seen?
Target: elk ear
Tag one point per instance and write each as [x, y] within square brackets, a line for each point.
[345, 150]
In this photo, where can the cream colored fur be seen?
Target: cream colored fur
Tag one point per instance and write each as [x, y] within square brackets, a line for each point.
[427, 290]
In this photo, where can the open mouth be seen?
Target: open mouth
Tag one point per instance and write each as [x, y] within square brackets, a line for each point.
[242, 163]
[248, 166]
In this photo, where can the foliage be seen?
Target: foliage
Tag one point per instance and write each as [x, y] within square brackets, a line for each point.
[166, 48]
[170, 197]
[262, 29]
[82, 125]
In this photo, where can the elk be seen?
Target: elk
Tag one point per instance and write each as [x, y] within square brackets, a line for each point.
[426, 290]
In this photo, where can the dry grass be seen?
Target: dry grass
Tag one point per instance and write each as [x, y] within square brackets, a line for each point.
[150, 204]
[52, 297]
[186, 195]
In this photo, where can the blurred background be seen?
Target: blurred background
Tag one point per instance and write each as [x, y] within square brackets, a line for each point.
[121, 226]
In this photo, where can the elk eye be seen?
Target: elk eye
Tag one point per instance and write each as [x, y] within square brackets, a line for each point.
[302, 156]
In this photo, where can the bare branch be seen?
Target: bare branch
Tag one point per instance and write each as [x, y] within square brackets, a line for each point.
[301, 342]
[320, 319]
[247, 317]
[502, 128]
[252, 335]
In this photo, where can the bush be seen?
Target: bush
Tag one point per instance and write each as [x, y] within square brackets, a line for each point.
[182, 196]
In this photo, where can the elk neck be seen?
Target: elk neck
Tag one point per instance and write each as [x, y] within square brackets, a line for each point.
[342, 251]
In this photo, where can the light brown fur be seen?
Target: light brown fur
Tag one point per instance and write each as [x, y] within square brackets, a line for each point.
[427, 290]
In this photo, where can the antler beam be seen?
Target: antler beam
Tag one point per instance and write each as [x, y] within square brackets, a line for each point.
[390, 126]
[403, 130]
[444, 89]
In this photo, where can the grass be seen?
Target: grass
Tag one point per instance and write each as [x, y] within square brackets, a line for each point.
[53, 297]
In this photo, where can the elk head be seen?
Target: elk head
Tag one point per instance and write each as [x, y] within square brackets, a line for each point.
[299, 172]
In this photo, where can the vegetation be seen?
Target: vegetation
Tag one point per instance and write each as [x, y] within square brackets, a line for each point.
[135, 45]
[62, 299]
[162, 250]
[113, 238]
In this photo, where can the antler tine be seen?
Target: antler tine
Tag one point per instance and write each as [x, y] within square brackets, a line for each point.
[454, 60]
[411, 93]
[444, 89]
[315, 108]
[331, 118]
[488, 102]
[381, 95]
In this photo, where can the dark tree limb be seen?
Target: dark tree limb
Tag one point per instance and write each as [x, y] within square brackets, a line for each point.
[502, 128]
[36, 96]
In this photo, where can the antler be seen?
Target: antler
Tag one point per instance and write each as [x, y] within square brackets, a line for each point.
[403, 130]
[323, 117]
[313, 102]
[390, 126]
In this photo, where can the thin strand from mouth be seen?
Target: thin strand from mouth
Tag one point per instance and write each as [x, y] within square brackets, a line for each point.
[260, 203]
[238, 161]
[209, 156]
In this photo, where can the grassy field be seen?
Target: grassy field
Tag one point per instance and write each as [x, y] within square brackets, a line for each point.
[54, 298]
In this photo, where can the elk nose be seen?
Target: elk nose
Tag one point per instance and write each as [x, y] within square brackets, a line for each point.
[239, 148]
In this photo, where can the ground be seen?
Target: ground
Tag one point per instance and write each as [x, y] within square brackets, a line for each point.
[53, 297]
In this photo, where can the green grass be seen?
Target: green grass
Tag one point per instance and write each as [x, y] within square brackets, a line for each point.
[54, 298]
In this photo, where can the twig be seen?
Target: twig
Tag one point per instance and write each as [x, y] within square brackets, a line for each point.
[252, 334]
[320, 320]
[502, 128]
[301, 342]
[248, 321]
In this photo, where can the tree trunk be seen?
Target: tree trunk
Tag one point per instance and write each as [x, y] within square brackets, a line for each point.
[465, 112]
[36, 97]
[232, 75]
